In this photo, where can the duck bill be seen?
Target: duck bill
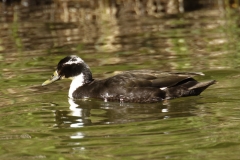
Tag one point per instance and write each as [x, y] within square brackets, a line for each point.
[54, 78]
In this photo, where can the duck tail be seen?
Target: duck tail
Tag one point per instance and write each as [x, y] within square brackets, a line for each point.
[203, 85]
[191, 88]
[200, 87]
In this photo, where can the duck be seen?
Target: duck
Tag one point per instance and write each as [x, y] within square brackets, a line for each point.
[136, 86]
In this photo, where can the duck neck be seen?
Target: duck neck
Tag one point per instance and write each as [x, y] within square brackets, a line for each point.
[77, 81]
[80, 80]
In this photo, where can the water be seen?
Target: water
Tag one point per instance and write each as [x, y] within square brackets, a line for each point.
[42, 123]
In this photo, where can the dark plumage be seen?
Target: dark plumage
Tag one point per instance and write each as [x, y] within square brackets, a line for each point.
[130, 86]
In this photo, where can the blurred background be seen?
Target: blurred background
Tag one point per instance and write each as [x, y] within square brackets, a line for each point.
[116, 35]
[192, 34]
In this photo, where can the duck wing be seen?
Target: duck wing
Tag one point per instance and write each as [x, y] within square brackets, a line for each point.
[160, 79]
[160, 73]
[143, 86]
[174, 84]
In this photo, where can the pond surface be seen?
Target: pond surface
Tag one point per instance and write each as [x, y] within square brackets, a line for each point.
[42, 123]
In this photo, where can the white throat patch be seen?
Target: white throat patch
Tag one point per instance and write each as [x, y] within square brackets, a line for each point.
[77, 81]
[74, 60]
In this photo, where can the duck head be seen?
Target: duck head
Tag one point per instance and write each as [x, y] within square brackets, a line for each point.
[71, 67]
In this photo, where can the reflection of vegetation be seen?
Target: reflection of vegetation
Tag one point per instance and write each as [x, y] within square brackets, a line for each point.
[112, 37]
[104, 26]
[231, 29]
[15, 32]
[179, 46]
[1, 46]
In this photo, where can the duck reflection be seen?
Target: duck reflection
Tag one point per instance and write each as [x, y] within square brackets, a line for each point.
[91, 112]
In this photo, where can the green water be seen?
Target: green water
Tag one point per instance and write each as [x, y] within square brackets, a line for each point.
[41, 123]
